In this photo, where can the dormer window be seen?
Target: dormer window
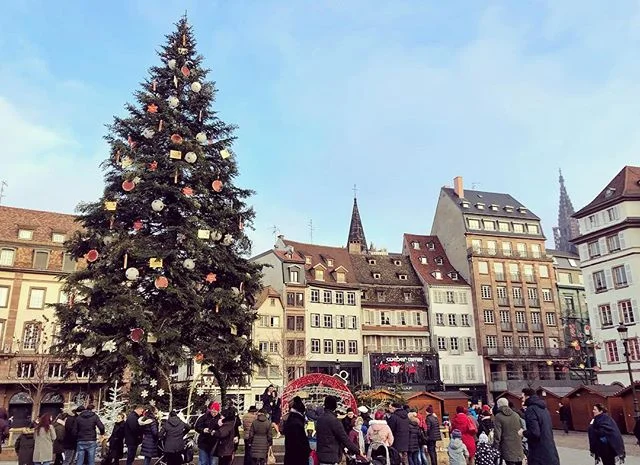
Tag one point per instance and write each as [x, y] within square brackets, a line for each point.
[372, 261]
[453, 275]
[397, 262]
[402, 277]
[376, 275]
[363, 295]
[408, 297]
[307, 260]
[493, 207]
[415, 245]
[523, 210]
[58, 238]
[609, 192]
[294, 275]
[423, 260]
[380, 295]
[508, 209]
[318, 274]
[432, 246]
[25, 234]
[437, 275]
[465, 204]
[439, 261]
[480, 206]
[330, 262]
[341, 277]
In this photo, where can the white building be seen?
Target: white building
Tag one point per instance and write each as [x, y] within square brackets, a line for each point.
[453, 329]
[609, 247]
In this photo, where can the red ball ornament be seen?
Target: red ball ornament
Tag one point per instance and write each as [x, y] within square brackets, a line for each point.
[217, 185]
[176, 139]
[185, 71]
[187, 191]
[138, 225]
[199, 358]
[92, 255]
[161, 282]
[136, 334]
[128, 186]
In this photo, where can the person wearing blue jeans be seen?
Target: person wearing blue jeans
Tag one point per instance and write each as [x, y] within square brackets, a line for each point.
[88, 449]
[85, 428]
[206, 425]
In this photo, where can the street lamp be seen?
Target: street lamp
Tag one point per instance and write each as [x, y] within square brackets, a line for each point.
[623, 331]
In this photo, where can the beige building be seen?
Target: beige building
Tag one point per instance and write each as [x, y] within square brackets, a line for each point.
[497, 245]
[32, 263]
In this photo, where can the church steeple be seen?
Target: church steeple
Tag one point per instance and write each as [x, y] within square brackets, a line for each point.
[356, 243]
[567, 227]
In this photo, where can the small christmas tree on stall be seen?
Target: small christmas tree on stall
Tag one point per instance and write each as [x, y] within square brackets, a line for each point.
[167, 276]
[112, 407]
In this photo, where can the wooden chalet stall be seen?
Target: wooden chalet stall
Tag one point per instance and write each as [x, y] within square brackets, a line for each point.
[451, 400]
[626, 395]
[553, 397]
[512, 397]
[583, 398]
[422, 400]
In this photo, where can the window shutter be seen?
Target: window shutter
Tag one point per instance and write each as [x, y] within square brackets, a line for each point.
[473, 344]
[445, 319]
[602, 245]
[621, 240]
[448, 340]
[598, 316]
[608, 278]
[615, 313]
[634, 308]
[583, 252]
[627, 271]
[592, 288]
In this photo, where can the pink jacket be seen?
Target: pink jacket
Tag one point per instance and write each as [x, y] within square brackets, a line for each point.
[379, 432]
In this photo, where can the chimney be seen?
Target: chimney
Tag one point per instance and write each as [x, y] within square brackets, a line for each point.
[457, 187]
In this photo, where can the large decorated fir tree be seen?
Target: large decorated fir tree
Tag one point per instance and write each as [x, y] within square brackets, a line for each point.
[167, 276]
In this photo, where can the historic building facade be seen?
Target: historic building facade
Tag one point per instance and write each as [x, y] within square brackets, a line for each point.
[452, 324]
[609, 248]
[497, 245]
[32, 261]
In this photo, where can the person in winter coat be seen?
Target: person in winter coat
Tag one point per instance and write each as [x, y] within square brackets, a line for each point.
[44, 435]
[25, 445]
[433, 434]
[58, 444]
[399, 423]
[379, 432]
[206, 426]
[485, 453]
[70, 441]
[149, 425]
[485, 423]
[539, 431]
[458, 453]
[247, 421]
[86, 425]
[565, 416]
[508, 433]
[268, 400]
[462, 423]
[4, 426]
[605, 440]
[415, 438]
[116, 442]
[296, 445]
[225, 435]
[347, 421]
[172, 433]
[132, 433]
[260, 437]
[330, 434]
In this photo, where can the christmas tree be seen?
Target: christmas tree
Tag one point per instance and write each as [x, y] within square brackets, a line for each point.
[112, 407]
[166, 275]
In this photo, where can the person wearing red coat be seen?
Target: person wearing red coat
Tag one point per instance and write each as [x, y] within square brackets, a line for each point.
[461, 422]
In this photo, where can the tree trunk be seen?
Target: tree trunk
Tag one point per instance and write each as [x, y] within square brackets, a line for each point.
[222, 383]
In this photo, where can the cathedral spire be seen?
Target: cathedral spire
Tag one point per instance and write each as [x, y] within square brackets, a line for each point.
[356, 243]
[567, 227]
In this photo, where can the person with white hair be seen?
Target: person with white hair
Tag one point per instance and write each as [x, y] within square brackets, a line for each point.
[508, 434]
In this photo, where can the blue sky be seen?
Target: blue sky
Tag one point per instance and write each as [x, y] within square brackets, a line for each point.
[395, 96]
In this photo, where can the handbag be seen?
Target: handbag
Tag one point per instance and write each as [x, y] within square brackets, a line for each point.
[271, 458]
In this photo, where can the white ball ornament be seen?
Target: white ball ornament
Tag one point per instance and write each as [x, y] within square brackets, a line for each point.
[201, 137]
[108, 240]
[173, 102]
[190, 157]
[172, 64]
[148, 133]
[196, 87]
[157, 205]
[189, 264]
[132, 274]
[235, 291]
[89, 351]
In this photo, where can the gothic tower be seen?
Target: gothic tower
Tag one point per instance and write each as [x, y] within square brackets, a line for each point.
[356, 243]
[567, 227]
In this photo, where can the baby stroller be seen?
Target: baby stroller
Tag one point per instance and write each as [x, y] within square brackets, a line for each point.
[187, 453]
[380, 454]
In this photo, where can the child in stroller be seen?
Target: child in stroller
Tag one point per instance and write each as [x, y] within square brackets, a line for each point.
[378, 454]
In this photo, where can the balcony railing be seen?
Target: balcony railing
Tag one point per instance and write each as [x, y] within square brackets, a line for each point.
[537, 327]
[526, 352]
[506, 253]
[503, 301]
[518, 302]
[506, 326]
[522, 327]
[534, 302]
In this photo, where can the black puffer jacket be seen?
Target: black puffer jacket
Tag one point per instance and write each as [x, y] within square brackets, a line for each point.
[70, 442]
[485, 425]
[539, 433]
[86, 424]
[172, 433]
[433, 428]
[414, 436]
[332, 438]
[132, 430]
[399, 424]
[149, 426]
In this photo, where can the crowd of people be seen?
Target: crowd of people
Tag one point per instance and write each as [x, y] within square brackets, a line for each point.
[394, 435]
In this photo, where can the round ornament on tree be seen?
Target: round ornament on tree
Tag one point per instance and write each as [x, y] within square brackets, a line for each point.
[92, 255]
[128, 185]
[173, 102]
[196, 87]
[217, 185]
[157, 205]
[148, 133]
[171, 64]
[189, 264]
[138, 225]
[108, 240]
[187, 191]
[201, 137]
[190, 157]
[132, 274]
[89, 351]
[176, 138]
[136, 334]
[161, 282]
[185, 71]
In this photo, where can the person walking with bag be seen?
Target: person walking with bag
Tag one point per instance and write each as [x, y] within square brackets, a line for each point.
[467, 428]
[605, 441]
